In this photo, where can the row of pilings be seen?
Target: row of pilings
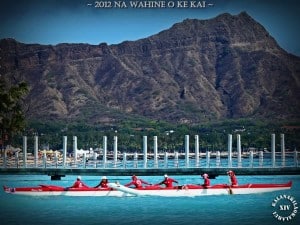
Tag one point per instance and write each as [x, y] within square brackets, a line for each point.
[145, 153]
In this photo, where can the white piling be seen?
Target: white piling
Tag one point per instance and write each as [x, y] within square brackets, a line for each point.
[135, 160]
[155, 152]
[239, 150]
[17, 159]
[104, 151]
[197, 155]
[145, 151]
[166, 160]
[24, 151]
[207, 159]
[115, 151]
[295, 158]
[65, 141]
[282, 144]
[36, 151]
[187, 150]
[218, 159]
[273, 154]
[84, 160]
[44, 159]
[124, 160]
[229, 150]
[75, 149]
[251, 159]
[5, 159]
[55, 159]
[95, 155]
[176, 161]
[261, 159]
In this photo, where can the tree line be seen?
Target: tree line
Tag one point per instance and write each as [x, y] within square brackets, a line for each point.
[212, 137]
[255, 133]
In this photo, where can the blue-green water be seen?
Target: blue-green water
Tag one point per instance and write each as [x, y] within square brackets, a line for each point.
[62, 210]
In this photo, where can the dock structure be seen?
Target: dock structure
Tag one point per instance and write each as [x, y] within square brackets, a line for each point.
[57, 173]
[145, 163]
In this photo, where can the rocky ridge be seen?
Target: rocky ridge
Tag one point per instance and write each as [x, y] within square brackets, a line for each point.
[196, 71]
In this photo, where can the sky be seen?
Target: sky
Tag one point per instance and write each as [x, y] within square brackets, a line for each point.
[79, 21]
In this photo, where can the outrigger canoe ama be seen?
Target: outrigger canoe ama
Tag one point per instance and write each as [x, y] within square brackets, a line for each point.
[118, 190]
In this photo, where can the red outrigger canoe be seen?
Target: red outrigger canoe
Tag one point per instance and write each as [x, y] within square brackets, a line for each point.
[118, 190]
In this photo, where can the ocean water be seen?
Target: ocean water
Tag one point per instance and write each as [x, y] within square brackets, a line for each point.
[216, 210]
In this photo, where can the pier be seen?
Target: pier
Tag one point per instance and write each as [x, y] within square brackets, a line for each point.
[213, 172]
[152, 162]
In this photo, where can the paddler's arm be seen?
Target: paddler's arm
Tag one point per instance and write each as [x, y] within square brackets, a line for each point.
[145, 182]
[97, 185]
[127, 185]
[66, 188]
[84, 185]
[160, 183]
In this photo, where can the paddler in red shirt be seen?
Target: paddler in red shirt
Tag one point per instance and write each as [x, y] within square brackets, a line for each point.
[168, 182]
[206, 180]
[78, 183]
[103, 183]
[233, 178]
[138, 183]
